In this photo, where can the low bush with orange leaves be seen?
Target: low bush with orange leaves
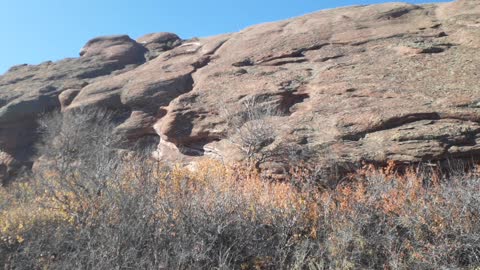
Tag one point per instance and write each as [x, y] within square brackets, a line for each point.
[91, 207]
[144, 216]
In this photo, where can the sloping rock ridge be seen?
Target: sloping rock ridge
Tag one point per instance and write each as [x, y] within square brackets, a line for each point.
[365, 83]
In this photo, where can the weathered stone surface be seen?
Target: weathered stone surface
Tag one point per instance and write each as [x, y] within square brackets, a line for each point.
[120, 48]
[157, 43]
[423, 140]
[366, 83]
[340, 75]
[28, 91]
[66, 97]
[138, 125]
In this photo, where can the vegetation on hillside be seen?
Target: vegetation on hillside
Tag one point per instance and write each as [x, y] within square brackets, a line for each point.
[94, 207]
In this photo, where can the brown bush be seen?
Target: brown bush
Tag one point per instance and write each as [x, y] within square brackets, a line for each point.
[134, 213]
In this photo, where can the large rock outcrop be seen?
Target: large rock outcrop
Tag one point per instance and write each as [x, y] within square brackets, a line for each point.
[119, 48]
[365, 83]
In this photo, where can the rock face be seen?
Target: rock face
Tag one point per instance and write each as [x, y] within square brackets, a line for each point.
[120, 48]
[157, 43]
[366, 83]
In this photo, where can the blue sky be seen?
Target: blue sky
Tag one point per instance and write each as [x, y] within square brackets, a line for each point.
[33, 31]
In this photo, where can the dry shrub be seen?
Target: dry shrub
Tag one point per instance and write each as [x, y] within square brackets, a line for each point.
[413, 220]
[215, 216]
[128, 212]
[250, 128]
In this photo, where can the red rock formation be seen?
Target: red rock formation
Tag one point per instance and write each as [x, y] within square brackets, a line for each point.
[366, 83]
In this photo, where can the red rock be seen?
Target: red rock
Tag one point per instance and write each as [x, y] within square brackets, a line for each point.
[366, 83]
[120, 48]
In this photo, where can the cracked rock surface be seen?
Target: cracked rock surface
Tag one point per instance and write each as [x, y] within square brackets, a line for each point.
[366, 83]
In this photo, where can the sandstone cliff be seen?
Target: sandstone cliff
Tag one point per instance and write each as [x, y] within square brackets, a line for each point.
[365, 83]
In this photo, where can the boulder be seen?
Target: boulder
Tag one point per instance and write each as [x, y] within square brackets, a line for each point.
[162, 41]
[156, 43]
[120, 48]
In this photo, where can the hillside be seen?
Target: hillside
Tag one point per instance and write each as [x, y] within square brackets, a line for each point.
[390, 82]
[343, 139]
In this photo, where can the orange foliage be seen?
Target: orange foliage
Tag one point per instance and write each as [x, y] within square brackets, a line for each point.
[396, 196]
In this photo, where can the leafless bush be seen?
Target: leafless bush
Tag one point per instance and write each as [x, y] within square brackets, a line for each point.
[115, 211]
[251, 128]
[81, 137]
[129, 212]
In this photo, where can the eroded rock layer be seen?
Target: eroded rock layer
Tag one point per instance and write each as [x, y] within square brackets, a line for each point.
[366, 83]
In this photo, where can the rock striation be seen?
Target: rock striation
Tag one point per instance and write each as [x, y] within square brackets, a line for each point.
[365, 83]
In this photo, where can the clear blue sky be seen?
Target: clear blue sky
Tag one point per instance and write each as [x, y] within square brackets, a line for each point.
[33, 31]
